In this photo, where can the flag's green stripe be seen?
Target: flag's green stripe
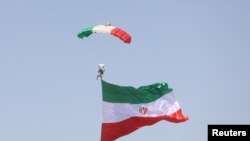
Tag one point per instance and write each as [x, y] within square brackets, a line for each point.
[127, 94]
[85, 32]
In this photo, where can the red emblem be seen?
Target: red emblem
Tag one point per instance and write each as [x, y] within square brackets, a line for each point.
[143, 110]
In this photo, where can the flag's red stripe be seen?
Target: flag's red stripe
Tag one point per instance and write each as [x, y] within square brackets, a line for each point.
[112, 131]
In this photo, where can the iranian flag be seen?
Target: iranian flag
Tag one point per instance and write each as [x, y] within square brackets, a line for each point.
[126, 109]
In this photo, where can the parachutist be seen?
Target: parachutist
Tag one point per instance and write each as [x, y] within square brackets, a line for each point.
[101, 71]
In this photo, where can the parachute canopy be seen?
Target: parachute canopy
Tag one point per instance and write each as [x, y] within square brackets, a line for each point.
[107, 29]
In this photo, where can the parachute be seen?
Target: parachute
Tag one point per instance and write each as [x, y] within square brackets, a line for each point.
[107, 29]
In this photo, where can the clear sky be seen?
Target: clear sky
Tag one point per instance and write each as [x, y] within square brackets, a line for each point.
[48, 86]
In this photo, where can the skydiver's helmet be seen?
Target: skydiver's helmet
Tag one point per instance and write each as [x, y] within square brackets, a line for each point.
[101, 66]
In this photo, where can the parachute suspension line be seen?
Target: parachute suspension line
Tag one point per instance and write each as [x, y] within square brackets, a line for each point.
[116, 51]
[108, 51]
[101, 54]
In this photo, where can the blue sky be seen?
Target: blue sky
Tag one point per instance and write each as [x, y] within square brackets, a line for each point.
[48, 86]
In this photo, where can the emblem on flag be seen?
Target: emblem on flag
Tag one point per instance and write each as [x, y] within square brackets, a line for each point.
[143, 110]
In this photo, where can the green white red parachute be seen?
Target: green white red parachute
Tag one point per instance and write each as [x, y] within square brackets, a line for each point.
[107, 29]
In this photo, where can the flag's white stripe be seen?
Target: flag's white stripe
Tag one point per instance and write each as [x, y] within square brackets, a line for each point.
[115, 112]
[103, 29]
